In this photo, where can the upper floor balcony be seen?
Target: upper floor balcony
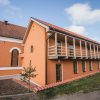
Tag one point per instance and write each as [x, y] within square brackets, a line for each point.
[64, 46]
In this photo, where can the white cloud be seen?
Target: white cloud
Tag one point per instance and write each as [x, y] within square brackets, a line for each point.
[4, 2]
[83, 14]
[77, 29]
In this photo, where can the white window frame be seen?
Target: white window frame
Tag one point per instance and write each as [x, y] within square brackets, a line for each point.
[19, 50]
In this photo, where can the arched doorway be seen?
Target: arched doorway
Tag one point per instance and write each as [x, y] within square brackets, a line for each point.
[14, 57]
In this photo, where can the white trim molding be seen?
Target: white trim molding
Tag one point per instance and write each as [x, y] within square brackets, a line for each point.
[19, 50]
[17, 76]
[47, 28]
[6, 39]
[10, 68]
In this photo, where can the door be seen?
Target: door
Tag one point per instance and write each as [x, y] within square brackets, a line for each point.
[58, 72]
[59, 47]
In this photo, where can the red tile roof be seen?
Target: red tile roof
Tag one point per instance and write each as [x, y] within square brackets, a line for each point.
[57, 28]
[11, 30]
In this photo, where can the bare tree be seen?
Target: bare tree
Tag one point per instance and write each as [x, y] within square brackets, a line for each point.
[27, 74]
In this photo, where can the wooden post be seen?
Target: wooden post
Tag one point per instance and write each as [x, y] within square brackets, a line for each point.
[90, 51]
[56, 43]
[94, 51]
[86, 49]
[74, 47]
[81, 48]
[66, 47]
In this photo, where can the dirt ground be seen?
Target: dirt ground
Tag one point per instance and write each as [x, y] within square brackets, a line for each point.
[9, 87]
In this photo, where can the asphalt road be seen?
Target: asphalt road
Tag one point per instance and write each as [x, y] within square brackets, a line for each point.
[80, 96]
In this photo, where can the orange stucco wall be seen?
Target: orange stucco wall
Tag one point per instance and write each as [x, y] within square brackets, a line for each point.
[10, 72]
[36, 38]
[5, 55]
[67, 69]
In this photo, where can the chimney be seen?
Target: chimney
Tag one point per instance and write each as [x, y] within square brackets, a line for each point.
[6, 22]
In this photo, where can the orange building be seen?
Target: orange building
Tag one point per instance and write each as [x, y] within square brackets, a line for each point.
[58, 54]
[11, 37]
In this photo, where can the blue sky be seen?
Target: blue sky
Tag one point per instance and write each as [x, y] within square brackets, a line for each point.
[81, 16]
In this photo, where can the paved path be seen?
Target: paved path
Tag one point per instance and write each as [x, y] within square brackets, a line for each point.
[80, 96]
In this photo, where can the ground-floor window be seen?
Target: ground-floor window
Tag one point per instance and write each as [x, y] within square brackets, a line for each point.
[75, 67]
[83, 66]
[58, 73]
[90, 65]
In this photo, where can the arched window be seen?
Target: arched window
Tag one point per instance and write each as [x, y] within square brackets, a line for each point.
[14, 57]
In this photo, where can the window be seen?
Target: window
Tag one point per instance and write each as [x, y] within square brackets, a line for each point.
[75, 65]
[83, 66]
[31, 49]
[90, 65]
[14, 58]
[58, 73]
[71, 47]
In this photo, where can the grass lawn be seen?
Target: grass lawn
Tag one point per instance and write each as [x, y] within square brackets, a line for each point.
[88, 84]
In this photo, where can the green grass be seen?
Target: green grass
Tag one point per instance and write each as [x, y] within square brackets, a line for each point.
[88, 84]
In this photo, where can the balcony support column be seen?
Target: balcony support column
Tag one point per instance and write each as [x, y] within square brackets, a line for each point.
[90, 51]
[74, 47]
[94, 51]
[56, 43]
[97, 52]
[81, 48]
[86, 49]
[66, 47]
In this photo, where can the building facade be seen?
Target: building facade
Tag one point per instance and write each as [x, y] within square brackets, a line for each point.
[58, 54]
[11, 37]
